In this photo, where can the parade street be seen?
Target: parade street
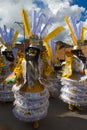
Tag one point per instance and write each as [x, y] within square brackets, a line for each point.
[58, 118]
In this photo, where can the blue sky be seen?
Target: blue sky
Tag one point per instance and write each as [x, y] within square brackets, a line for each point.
[81, 3]
[10, 11]
[39, 4]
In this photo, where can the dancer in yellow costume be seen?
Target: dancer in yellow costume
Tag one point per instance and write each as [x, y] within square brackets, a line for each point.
[7, 57]
[31, 97]
[73, 79]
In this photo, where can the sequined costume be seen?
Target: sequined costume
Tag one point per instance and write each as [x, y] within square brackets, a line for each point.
[74, 79]
[6, 63]
[47, 75]
[31, 97]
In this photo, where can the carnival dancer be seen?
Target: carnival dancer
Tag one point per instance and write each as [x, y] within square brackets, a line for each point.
[7, 56]
[74, 90]
[31, 97]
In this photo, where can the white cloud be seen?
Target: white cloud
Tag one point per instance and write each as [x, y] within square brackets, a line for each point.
[59, 9]
[10, 11]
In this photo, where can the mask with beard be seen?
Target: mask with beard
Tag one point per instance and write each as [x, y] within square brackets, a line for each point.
[8, 55]
[79, 54]
[32, 54]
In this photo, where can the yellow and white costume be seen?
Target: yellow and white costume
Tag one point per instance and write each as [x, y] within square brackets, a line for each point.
[31, 100]
[74, 83]
[31, 97]
[6, 63]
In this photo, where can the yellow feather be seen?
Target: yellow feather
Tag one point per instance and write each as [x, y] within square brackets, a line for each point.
[71, 31]
[83, 34]
[15, 38]
[49, 37]
[49, 51]
[54, 33]
[26, 23]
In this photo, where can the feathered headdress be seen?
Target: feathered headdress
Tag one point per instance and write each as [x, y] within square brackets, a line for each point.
[77, 32]
[8, 39]
[39, 30]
